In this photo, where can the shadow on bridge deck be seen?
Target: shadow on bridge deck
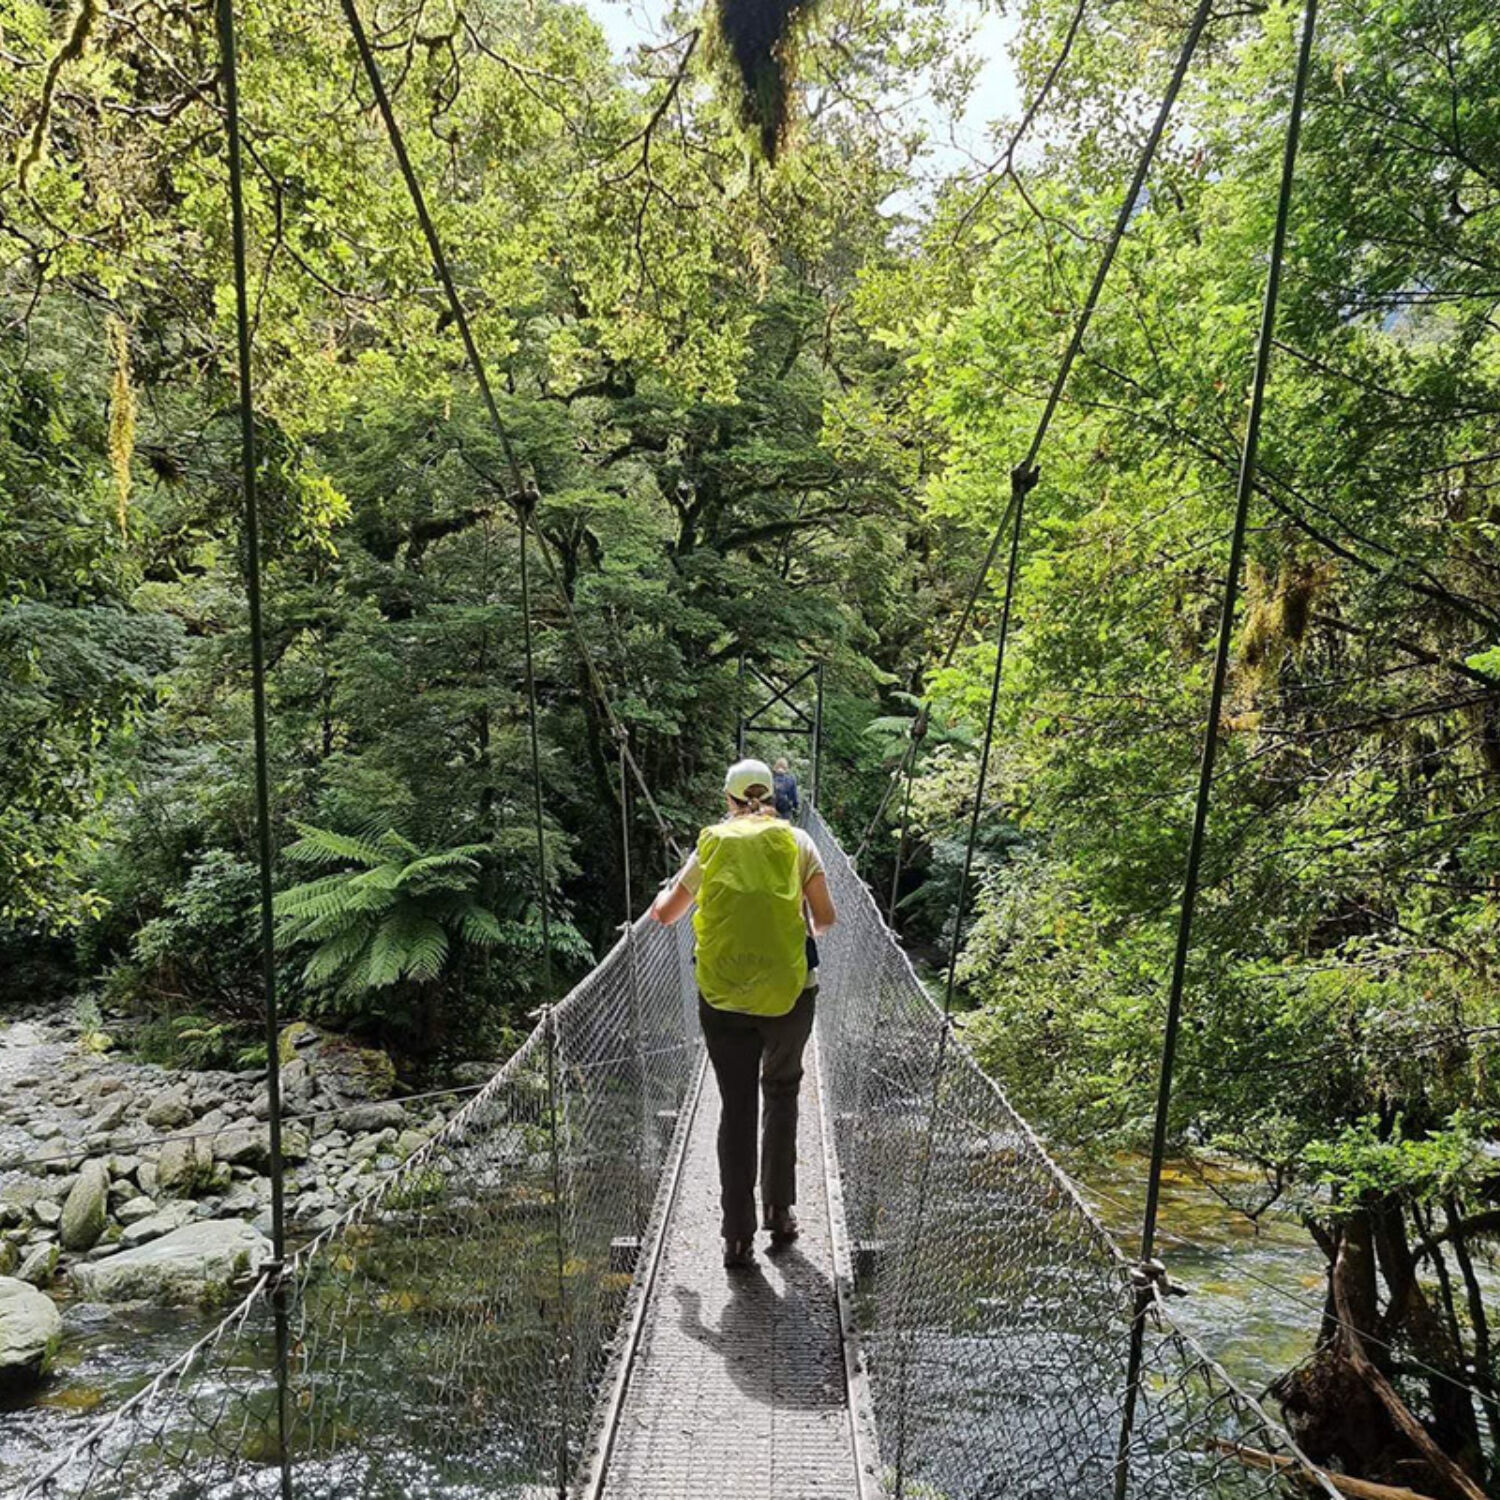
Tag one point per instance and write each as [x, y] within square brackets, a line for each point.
[738, 1386]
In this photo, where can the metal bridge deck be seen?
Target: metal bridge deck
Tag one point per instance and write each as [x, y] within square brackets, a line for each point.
[738, 1386]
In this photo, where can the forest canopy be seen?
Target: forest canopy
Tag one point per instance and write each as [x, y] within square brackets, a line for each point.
[771, 408]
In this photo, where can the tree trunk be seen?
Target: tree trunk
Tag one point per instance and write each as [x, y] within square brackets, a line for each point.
[1340, 1406]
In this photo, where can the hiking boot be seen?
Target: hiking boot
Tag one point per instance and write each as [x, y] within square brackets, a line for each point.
[782, 1223]
[738, 1254]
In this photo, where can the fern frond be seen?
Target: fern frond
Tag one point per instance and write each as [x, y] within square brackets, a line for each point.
[407, 945]
[335, 956]
[322, 846]
[393, 847]
[313, 899]
[480, 927]
[464, 857]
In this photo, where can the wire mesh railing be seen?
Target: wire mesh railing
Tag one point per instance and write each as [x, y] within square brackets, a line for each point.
[446, 1336]
[450, 1334]
[994, 1310]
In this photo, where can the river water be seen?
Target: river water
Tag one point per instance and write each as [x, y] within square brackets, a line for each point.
[1254, 1293]
[1255, 1289]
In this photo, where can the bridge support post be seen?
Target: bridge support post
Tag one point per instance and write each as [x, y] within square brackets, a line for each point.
[817, 737]
[562, 1373]
[276, 1284]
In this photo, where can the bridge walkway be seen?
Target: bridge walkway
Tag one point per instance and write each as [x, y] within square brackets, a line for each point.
[738, 1385]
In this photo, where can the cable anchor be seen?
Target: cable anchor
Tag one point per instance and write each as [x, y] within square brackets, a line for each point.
[1151, 1275]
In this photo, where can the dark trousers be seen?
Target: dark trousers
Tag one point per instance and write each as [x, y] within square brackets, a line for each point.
[756, 1057]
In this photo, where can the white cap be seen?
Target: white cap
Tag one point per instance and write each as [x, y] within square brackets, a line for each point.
[744, 774]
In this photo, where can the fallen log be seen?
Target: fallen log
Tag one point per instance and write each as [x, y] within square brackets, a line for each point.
[1345, 1484]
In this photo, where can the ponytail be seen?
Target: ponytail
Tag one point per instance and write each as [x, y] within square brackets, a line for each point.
[755, 800]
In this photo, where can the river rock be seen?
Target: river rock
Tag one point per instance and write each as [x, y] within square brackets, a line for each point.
[23, 1193]
[85, 1212]
[183, 1166]
[30, 1328]
[385, 1114]
[46, 1212]
[39, 1265]
[194, 1264]
[113, 1115]
[134, 1210]
[148, 1178]
[154, 1226]
[239, 1200]
[169, 1109]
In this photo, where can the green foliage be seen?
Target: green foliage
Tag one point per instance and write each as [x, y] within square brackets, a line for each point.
[401, 921]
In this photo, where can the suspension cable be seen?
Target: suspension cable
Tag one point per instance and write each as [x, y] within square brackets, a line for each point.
[524, 500]
[1027, 465]
[1024, 478]
[524, 496]
[601, 695]
[224, 18]
[1243, 492]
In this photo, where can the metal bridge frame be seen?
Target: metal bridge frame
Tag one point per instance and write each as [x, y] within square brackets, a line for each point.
[804, 725]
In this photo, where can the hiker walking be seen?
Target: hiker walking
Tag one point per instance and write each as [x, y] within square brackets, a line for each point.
[788, 803]
[761, 894]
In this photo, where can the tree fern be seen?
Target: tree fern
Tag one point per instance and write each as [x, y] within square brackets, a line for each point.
[393, 915]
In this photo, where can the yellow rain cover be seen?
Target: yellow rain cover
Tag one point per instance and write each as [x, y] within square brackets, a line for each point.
[752, 941]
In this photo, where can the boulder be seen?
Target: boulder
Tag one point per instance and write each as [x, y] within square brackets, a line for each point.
[361, 1119]
[197, 1263]
[85, 1212]
[313, 1061]
[169, 1109]
[45, 1211]
[154, 1226]
[243, 1146]
[39, 1265]
[30, 1328]
[184, 1166]
[135, 1210]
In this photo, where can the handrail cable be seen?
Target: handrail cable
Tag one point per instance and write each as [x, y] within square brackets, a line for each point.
[1024, 478]
[1026, 469]
[1244, 489]
[224, 21]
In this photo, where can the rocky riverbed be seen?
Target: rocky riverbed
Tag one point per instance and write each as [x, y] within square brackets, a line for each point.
[127, 1187]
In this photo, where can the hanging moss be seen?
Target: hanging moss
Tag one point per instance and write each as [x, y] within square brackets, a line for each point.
[71, 50]
[122, 411]
[760, 39]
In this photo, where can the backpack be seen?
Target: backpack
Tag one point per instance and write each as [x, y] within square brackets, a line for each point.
[752, 938]
[786, 793]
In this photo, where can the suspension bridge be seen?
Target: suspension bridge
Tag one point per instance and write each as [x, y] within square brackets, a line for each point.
[533, 1305]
